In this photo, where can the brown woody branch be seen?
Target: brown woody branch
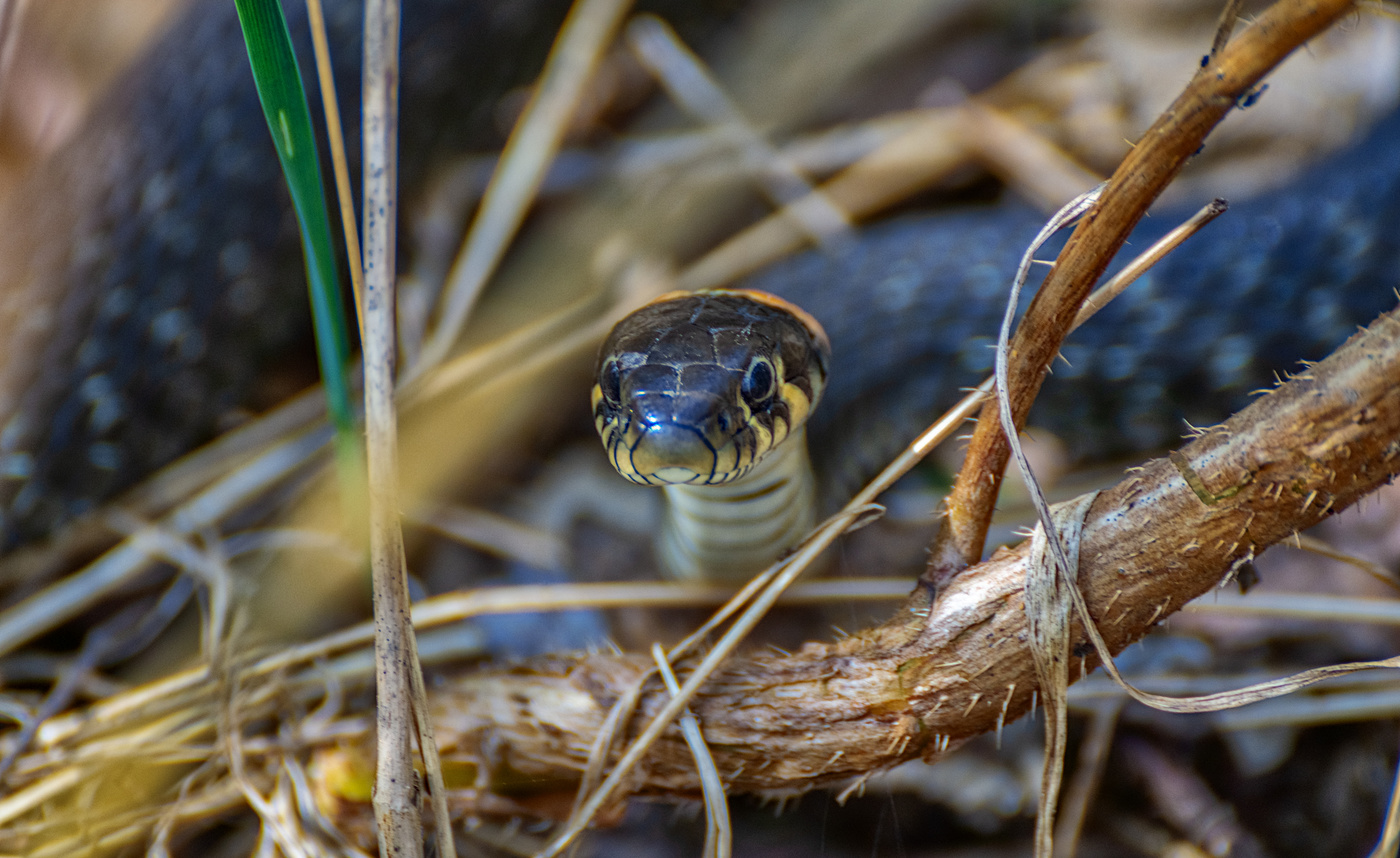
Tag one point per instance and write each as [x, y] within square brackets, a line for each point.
[1143, 174]
[936, 675]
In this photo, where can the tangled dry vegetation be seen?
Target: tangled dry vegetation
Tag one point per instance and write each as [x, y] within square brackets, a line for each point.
[272, 716]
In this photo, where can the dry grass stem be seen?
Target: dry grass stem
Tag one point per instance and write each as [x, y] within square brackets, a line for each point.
[1180, 797]
[340, 168]
[69, 597]
[719, 837]
[528, 153]
[1145, 260]
[696, 91]
[914, 160]
[399, 688]
[1303, 606]
[175, 691]
[1313, 545]
[1028, 162]
[1084, 785]
[497, 535]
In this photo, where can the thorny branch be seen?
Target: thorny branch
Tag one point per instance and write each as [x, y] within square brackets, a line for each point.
[1144, 173]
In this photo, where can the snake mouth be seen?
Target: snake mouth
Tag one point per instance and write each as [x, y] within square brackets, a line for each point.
[672, 454]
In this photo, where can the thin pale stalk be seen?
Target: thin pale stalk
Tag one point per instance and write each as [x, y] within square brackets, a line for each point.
[395, 790]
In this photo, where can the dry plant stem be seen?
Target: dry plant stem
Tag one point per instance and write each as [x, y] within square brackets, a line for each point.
[396, 798]
[692, 87]
[331, 106]
[1030, 163]
[938, 674]
[776, 579]
[189, 687]
[941, 140]
[900, 168]
[528, 153]
[71, 596]
[1183, 799]
[718, 834]
[1375, 570]
[1302, 606]
[1144, 173]
[1082, 789]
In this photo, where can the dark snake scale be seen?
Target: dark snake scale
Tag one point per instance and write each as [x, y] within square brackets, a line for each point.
[174, 275]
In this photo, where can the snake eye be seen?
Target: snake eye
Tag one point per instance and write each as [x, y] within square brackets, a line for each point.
[757, 385]
[610, 380]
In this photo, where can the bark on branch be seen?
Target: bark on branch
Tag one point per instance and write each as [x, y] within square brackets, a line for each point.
[937, 674]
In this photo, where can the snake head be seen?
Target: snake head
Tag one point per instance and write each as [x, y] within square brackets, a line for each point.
[697, 387]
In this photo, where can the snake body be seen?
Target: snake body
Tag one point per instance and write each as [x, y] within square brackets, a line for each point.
[172, 275]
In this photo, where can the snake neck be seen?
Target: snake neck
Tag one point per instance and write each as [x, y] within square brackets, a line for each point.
[728, 532]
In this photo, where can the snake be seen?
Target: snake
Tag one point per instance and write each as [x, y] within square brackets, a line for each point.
[898, 323]
[171, 278]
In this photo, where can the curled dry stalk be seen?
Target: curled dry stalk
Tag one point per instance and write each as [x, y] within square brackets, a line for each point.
[1046, 591]
[1051, 595]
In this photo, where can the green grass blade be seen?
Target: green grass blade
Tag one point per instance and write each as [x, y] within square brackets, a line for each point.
[283, 99]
